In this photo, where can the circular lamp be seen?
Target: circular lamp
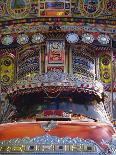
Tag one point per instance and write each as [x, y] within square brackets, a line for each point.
[7, 40]
[72, 38]
[103, 39]
[87, 38]
[22, 39]
[38, 38]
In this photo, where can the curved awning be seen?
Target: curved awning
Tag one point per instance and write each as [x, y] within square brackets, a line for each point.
[56, 82]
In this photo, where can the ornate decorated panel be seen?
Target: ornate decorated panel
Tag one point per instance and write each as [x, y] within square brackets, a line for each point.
[82, 62]
[55, 59]
[89, 8]
[51, 8]
[42, 27]
[105, 66]
[28, 61]
[17, 9]
[7, 69]
[110, 6]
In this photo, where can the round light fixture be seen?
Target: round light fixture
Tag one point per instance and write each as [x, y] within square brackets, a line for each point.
[72, 38]
[38, 38]
[22, 39]
[7, 40]
[87, 38]
[103, 39]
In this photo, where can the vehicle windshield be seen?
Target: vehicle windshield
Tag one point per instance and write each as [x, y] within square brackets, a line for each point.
[83, 104]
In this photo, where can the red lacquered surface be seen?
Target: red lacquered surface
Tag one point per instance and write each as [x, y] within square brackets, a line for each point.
[93, 130]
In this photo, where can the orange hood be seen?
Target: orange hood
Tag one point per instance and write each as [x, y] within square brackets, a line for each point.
[85, 130]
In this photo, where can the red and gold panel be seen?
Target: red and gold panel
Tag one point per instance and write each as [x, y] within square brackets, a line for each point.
[55, 55]
[55, 68]
[56, 52]
[7, 69]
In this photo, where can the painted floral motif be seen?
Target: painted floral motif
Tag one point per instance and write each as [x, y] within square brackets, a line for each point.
[91, 5]
[111, 5]
[18, 8]
[91, 8]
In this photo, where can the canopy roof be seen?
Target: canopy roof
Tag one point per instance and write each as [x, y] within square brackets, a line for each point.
[56, 82]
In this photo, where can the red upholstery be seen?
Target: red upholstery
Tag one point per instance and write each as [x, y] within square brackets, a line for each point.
[58, 112]
[48, 112]
[53, 112]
